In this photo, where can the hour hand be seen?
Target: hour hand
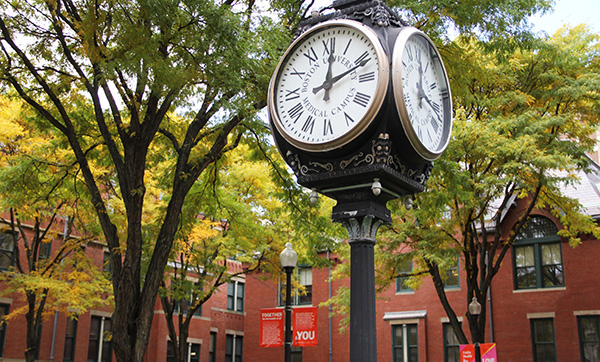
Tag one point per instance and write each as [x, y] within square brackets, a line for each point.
[328, 83]
[328, 76]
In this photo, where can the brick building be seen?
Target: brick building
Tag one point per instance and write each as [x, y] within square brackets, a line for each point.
[545, 299]
[216, 331]
[544, 302]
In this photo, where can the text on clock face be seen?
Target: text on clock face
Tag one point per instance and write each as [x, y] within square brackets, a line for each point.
[326, 84]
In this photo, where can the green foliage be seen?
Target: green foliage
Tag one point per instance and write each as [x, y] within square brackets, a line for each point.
[521, 130]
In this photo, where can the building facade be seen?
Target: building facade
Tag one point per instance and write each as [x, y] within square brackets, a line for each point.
[543, 305]
[216, 331]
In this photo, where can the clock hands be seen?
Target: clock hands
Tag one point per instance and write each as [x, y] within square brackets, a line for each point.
[422, 95]
[330, 82]
[328, 76]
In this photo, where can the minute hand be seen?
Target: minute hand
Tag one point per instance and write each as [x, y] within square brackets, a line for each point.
[328, 83]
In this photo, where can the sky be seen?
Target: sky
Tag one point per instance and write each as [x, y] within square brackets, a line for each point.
[572, 12]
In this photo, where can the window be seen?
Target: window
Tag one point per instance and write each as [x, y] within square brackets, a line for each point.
[170, 351]
[542, 338]
[3, 312]
[70, 337]
[451, 344]
[106, 265]
[404, 340]
[233, 348]
[452, 280]
[537, 255]
[589, 337]
[45, 249]
[183, 305]
[100, 347]
[403, 277]
[235, 296]
[212, 348]
[7, 250]
[304, 275]
[193, 352]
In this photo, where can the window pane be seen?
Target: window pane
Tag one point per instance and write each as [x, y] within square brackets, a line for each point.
[230, 296]
[553, 275]
[524, 256]
[194, 352]
[94, 340]
[451, 344]
[240, 297]
[537, 227]
[305, 276]
[239, 343]
[229, 348]
[70, 337]
[401, 280]
[526, 277]
[551, 254]
[106, 341]
[589, 338]
[3, 312]
[543, 340]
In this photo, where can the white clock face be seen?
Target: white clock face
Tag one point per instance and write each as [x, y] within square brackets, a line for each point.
[422, 93]
[329, 85]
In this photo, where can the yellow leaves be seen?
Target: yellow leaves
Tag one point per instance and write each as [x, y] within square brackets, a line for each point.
[205, 229]
[10, 128]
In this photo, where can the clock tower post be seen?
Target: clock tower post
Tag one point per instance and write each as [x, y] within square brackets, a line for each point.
[360, 107]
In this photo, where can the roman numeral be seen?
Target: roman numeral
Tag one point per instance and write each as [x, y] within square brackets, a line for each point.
[292, 94]
[327, 129]
[309, 125]
[434, 124]
[311, 55]
[295, 72]
[328, 46]
[296, 111]
[433, 86]
[364, 57]
[347, 46]
[348, 118]
[409, 53]
[436, 107]
[361, 99]
[367, 77]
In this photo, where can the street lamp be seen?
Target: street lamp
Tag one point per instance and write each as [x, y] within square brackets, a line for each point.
[288, 258]
[475, 311]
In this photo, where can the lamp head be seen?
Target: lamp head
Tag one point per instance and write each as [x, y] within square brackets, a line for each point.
[288, 256]
[474, 307]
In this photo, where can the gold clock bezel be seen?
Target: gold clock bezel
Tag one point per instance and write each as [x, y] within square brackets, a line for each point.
[369, 116]
[398, 90]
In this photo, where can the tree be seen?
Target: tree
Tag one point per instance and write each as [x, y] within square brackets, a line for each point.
[36, 187]
[523, 124]
[117, 78]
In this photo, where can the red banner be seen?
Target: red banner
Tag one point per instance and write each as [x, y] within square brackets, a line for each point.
[304, 322]
[487, 351]
[271, 327]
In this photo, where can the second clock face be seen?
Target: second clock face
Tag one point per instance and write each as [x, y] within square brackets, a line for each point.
[329, 85]
[422, 93]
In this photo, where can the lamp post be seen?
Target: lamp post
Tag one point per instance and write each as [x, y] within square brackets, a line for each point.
[475, 311]
[288, 258]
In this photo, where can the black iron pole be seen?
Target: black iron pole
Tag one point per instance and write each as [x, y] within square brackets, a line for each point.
[288, 313]
[363, 330]
[362, 232]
